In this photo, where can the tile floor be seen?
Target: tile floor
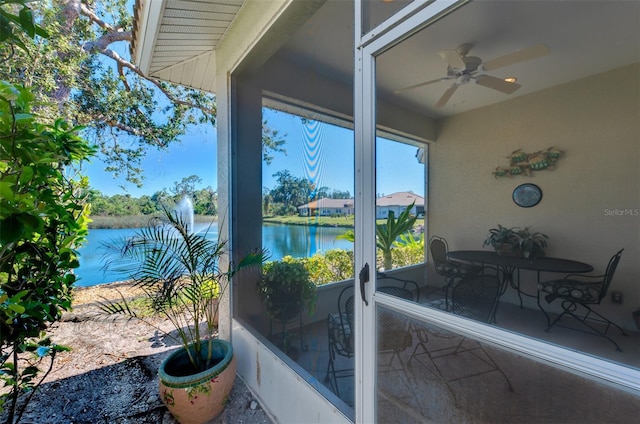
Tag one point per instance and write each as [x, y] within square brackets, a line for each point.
[451, 378]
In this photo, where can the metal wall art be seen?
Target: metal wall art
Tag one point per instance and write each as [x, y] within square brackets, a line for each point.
[522, 163]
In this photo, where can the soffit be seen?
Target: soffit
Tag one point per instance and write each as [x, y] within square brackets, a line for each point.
[175, 40]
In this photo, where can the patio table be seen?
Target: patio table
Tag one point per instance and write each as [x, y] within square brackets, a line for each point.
[508, 265]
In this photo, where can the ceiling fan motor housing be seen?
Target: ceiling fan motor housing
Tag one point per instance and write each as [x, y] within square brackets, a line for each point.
[472, 63]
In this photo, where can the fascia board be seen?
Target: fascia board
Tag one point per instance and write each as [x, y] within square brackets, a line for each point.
[151, 16]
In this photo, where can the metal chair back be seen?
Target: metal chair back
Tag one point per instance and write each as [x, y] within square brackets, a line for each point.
[439, 248]
[476, 297]
[344, 344]
[608, 275]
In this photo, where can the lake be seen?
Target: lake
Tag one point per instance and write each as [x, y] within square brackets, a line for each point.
[280, 240]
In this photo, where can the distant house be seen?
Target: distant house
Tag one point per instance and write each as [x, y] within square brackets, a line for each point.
[327, 207]
[398, 202]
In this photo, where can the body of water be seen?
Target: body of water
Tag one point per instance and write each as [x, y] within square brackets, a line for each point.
[280, 240]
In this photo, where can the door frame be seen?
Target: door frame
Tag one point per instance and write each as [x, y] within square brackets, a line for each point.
[396, 28]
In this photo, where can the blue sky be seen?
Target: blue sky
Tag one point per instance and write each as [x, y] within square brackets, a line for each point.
[195, 154]
[326, 157]
[320, 152]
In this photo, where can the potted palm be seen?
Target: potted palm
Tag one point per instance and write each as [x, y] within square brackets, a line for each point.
[179, 272]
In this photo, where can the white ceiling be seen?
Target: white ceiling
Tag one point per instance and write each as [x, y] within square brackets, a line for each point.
[176, 41]
[583, 38]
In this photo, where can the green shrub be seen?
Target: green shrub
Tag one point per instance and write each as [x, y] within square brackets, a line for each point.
[333, 265]
[43, 220]
[338, 264]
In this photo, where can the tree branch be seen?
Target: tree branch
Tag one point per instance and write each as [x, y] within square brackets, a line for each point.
[128, 65]
[105, 40]
[124, 78]
[95, 19]
[148, 135]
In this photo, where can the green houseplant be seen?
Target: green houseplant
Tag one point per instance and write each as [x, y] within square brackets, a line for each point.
[179, 272]
[286, 288]
[516, 241]
[503, 239]
[531, 244]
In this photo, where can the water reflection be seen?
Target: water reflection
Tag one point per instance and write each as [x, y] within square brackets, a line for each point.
[280, 240]
[301, 241]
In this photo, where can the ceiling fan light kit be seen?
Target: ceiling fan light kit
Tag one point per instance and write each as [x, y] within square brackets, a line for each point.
[462, 69]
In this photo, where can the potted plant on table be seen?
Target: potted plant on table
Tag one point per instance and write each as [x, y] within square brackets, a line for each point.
[504, 240]
[179, 272]
[531, 244]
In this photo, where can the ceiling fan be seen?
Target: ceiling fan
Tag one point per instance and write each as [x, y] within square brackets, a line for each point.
[462, 69]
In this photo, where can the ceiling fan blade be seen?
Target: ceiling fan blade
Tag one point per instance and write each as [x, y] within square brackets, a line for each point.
[453, 58]
[516, 57]
[497, 84]
[422, 84]
[447, 95]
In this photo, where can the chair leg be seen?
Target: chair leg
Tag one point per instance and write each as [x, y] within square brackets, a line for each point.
[331, 371]
[569, 307]
[544, 312]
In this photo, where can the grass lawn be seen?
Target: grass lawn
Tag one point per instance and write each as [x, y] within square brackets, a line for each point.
[322, 221]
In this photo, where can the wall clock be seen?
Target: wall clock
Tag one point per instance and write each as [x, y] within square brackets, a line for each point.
[527, 195]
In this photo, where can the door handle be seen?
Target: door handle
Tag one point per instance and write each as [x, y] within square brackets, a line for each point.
[364, 278]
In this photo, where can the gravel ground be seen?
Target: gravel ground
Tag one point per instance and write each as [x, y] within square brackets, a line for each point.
[110, 374]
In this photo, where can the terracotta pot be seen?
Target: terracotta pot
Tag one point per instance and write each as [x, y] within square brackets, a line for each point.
[197, 398]
[506, 249]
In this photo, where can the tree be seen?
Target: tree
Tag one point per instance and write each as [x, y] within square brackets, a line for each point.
[83, 74]
[339, 194]
[186, 186]
[205, 201]
[271, 143]
[321, 192]
[291, 191]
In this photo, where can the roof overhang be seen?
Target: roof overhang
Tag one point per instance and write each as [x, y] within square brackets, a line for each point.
[176, 40]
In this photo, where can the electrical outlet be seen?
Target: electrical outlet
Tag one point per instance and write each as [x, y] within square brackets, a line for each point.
[616, 297]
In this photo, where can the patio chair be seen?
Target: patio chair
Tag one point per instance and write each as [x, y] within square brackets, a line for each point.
[395, 336]
[452, 271]
[474, 297]
[579, 292]
[340, 330]
[394, 332]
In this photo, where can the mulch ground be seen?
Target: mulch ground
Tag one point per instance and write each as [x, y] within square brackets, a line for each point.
[110, 373]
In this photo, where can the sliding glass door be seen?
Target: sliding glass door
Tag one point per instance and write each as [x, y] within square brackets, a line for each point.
[440, 92]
